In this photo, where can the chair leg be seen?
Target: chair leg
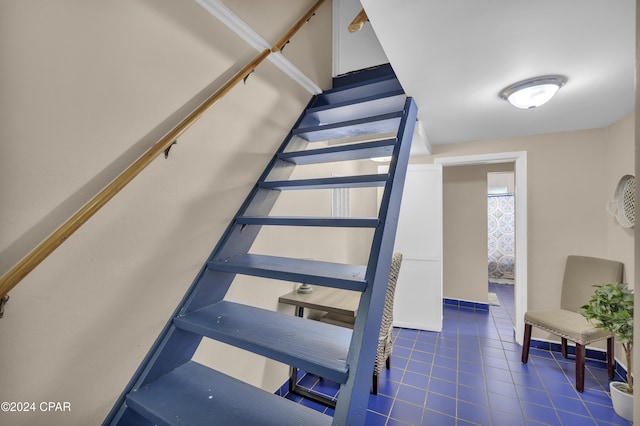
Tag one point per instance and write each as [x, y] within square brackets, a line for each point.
[374, 384]
[388, 362]
[563, 346]
[580, 355]
[610, 357]
[526, 343]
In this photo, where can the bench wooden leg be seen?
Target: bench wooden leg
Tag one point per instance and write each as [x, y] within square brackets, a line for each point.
[563, 347]
[580, 355]
[526, 343]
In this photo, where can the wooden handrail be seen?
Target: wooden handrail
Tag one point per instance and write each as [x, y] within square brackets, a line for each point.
[305, 18]
[9, 280]
[358, 22]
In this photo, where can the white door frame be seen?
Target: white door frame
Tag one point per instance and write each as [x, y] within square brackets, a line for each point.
[520, 159]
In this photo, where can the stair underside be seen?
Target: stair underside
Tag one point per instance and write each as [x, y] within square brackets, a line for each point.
[345, 93]
[336, 222]
[193, 394]
[356, 109]
[328, 274]
[363, 126]
[310, 345]
[362, 181]
[360, 151]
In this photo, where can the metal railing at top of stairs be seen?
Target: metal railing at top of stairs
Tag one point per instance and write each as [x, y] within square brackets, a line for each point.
[9, 280]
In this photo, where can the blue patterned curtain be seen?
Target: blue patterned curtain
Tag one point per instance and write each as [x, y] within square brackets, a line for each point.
[501, 225]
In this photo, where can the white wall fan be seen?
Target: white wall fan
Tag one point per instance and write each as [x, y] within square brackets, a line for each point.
[623, 206]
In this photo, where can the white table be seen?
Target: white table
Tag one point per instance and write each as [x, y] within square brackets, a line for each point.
[334, 300]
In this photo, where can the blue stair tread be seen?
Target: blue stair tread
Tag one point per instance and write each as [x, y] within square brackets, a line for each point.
[193, 394]
[378, 124]
[356, 108]
[328, 274]
[360, 181]
[347, 222]
[359, 90]
[381, 148]
[310, 345]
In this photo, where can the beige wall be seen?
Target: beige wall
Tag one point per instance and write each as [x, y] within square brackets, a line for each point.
[619, 162]
[571, 178]
[502, 180]
[87, 86]
[465, 275]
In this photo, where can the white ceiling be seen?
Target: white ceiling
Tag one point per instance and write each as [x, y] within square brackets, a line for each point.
[454, 56]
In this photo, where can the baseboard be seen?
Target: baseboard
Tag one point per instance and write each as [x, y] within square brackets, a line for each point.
[418, 326]
[465, 304]
[593, 354]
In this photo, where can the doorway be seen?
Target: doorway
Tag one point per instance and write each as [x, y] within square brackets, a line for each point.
[519, 158]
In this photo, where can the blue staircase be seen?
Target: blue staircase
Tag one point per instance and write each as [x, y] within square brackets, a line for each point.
[170, 388]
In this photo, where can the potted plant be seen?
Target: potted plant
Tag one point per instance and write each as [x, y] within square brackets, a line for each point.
[611, 308]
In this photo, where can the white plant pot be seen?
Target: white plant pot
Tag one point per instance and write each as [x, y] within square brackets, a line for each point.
[622, 400]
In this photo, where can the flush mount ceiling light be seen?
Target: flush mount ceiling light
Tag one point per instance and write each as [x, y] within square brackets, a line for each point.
[533, 92]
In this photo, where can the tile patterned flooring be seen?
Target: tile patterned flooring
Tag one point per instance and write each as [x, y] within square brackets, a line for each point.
[471, 374]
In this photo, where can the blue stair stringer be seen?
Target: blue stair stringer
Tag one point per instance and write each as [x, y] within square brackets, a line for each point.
[170, 388]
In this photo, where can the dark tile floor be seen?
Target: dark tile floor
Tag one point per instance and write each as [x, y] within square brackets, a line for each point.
[471, 374]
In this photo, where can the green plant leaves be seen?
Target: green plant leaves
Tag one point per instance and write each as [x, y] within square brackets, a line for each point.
[611, 308]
